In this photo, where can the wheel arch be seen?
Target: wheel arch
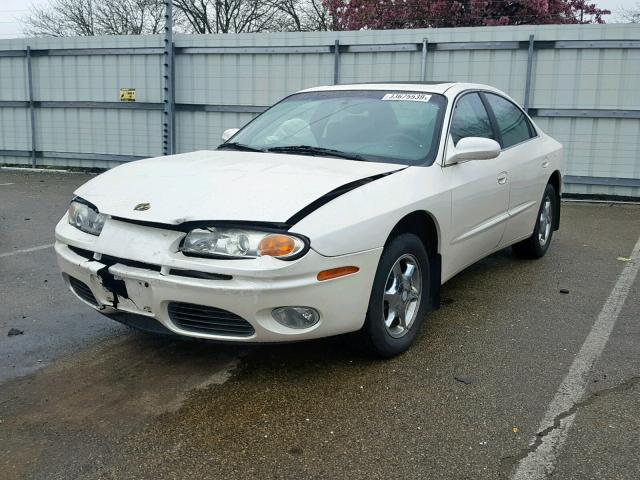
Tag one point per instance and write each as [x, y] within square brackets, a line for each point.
[422, 224]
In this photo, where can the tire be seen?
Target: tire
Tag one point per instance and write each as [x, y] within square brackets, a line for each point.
[384, 333]
[538, 243]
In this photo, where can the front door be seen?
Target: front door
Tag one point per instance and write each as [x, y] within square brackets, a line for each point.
[479, 189]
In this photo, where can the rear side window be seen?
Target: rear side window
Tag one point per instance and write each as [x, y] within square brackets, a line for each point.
[470, 119]
[513, 124]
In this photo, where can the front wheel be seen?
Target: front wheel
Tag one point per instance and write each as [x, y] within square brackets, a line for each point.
[538, 243]
[399, 297]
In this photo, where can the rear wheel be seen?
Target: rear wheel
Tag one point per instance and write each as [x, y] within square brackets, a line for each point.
[398, 298]
[538, 243]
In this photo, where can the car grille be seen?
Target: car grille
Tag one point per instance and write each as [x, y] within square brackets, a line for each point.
[83, 291]
[211, 320]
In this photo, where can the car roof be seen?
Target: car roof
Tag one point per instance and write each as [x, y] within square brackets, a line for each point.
[448, 88]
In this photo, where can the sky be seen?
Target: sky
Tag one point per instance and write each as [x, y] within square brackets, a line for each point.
[12, 10]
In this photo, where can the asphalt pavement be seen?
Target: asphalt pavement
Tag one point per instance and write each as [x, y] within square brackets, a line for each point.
[83, 397]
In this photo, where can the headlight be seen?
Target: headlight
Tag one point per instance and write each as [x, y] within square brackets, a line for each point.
[241, 243]
[85, 217]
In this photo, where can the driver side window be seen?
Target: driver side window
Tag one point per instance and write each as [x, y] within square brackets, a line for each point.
[470, 119]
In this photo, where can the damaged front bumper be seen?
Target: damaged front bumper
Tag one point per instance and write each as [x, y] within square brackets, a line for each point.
[136, 275]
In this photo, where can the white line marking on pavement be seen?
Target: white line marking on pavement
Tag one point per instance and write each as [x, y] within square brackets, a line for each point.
[5, 184]
[541, 461]
[26, 250]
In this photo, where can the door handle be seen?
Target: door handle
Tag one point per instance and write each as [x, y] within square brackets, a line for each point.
[502, 178]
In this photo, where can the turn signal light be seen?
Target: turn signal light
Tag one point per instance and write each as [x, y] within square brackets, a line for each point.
[276, 246]
[336, 272]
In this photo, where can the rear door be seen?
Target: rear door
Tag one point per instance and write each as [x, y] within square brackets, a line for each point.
[479, 189]
[525, 162]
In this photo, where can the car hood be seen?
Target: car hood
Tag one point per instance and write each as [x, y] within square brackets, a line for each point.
[223, 185]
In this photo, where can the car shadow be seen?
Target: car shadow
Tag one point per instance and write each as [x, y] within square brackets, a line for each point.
[332, 350]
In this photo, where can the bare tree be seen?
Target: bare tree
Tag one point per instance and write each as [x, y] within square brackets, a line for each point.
[132, 17]
[227, 16]
[62, 18]
[95, 17]
[302, 15]
[318, 17]
[631, 15]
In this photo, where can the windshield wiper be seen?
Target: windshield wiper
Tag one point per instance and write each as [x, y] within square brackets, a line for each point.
[239, 146]
[309, 150]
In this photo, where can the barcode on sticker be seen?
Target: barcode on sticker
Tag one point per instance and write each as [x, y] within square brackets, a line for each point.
[407, 97]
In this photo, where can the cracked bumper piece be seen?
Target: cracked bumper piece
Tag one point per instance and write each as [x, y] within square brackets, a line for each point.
[226, 300]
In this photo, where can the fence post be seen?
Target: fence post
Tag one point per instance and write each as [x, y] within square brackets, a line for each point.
[168, 111]
[32, 113]
[173, 98]
[423, 66]
[336, 62]
[527, 88]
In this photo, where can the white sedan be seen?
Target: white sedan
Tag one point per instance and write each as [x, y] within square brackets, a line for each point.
[339, 209]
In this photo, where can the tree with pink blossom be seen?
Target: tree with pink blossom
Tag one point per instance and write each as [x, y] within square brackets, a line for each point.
[389, 14]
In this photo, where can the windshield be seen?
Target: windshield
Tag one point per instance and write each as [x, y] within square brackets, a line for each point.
[373, 125]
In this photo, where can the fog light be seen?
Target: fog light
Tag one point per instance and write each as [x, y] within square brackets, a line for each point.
[296, 317]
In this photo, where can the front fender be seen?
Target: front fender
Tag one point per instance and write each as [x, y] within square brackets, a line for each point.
[362, 219]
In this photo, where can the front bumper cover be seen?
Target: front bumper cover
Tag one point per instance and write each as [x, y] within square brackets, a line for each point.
[247, 288]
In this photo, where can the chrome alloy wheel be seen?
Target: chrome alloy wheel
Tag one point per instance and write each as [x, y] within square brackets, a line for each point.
[545, 222]
[402, 294]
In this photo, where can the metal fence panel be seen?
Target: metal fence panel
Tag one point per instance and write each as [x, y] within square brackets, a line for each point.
[583, 88]
[97, 78]
[202, 130]
[602, 147]
[13, 71]
[94, 130]
[13, 134]
[379, 67]
[600, 78]
[221, 79]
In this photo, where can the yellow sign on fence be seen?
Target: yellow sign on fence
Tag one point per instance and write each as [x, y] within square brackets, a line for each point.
[127, 94]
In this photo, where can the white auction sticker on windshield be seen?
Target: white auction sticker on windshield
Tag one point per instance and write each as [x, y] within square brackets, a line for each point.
[407, 97]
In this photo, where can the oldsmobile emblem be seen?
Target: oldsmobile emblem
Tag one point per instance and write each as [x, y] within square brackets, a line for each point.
[141, 207]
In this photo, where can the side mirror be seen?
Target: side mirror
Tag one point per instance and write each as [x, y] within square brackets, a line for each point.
[474, 148]
[228, 133]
